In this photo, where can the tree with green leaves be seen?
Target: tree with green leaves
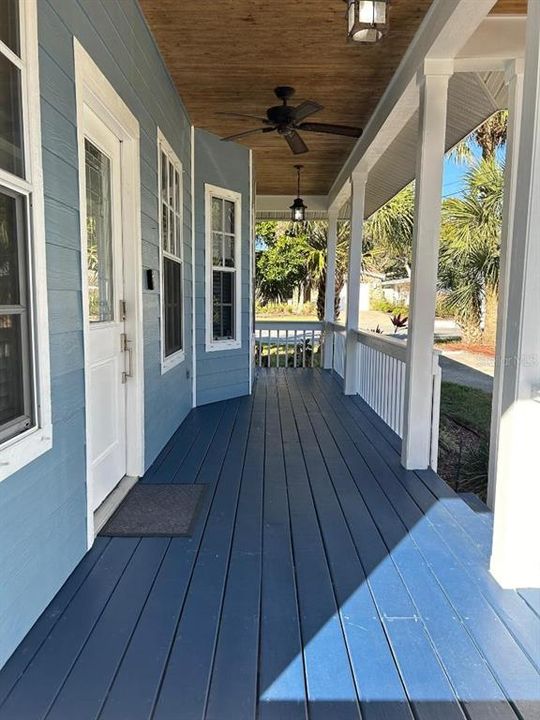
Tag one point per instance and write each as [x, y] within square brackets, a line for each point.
[470, 246]
[489, 137]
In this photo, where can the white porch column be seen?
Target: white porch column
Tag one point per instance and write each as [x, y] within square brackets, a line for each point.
[358, 194]
[433, 82]
[330, 289]
[514, 81]
[515, 560]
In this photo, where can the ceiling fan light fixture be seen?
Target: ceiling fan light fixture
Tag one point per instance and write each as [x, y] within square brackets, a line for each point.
[298, 208]
[367, 20]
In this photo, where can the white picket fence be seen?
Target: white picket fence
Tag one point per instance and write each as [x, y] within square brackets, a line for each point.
[288, 343]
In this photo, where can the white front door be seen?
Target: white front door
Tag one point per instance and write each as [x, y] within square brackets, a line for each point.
[107, 358]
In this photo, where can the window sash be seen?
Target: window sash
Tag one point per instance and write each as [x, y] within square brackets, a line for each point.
[16, 364]
[223, 226]
[171, 242]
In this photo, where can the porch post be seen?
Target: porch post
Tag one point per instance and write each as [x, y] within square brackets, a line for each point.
[514, 81]
[358, 194]
[330, 289]
[516, 532]
[433, 85]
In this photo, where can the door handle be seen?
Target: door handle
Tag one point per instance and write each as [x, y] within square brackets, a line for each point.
[125, 345]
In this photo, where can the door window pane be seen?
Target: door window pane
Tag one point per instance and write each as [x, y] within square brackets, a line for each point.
[99, 235]
[11, 369]
[11, 148]
[9, 24]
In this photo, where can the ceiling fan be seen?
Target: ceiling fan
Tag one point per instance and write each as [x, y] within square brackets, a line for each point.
[286, 120]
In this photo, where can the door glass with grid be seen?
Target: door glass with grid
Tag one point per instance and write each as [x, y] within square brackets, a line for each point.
[99, 234]
[223, 268]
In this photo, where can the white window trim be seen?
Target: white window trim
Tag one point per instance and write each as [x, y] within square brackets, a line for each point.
[171, 361]
[26, 447]
[211, 191]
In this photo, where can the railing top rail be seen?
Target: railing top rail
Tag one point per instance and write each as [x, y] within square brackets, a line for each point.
[336, 326]
[388, 345]
[289, 324]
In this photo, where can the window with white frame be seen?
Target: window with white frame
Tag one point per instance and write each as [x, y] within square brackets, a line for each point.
[171, 219]
[24, 384]
[223, 247]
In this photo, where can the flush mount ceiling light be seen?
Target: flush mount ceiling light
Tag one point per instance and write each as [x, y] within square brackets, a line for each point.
[298, 209]
[367, 20]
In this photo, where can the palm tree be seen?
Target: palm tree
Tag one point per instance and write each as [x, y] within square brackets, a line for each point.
[489, 136]
[389, 231]
[314, 235]
[470, 245]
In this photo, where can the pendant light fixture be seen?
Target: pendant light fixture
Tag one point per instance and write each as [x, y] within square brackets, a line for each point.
[367, 20]
[298, 209]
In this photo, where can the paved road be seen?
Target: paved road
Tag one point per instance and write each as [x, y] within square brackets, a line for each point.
[471, 369]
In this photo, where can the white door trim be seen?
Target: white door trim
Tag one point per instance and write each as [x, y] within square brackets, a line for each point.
[94, 91]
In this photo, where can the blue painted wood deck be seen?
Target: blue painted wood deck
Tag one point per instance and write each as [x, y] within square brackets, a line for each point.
[323, 581]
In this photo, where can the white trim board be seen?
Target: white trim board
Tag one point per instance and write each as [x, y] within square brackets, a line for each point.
[236, 197]
[167, 363]
[22, 449]
[93, 90]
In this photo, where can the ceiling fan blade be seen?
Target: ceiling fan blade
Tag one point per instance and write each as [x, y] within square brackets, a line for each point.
[308, 107]
[331, 129]
[248, 132]
[243, 115]
[297, 145]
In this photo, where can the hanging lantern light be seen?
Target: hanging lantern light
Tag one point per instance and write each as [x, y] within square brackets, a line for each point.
[367, 20]
[298, 209]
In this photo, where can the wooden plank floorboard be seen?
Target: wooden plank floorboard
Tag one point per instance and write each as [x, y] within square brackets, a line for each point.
[86, 687]
[322, 581]
[465, 666]
[408, 637]
[19, 661]
[233, 685]
[134, 690]
[164, 471]
[380, 689]
[483, 623]
[188, 469]
[517, 617]
[33, 694]
[185, 683]
[330, 684]
[282, 688]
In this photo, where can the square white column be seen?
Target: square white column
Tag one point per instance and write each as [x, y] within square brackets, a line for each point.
[358, 194]
[330, 289]
[515, 560]
[433, 86]
[514, 81]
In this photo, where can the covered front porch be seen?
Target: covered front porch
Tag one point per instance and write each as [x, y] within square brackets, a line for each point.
[322, 580]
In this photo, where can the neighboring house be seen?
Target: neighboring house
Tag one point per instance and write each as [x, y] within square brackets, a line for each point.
[396, 291]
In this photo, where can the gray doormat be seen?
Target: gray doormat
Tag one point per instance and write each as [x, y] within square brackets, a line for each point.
[156, 511]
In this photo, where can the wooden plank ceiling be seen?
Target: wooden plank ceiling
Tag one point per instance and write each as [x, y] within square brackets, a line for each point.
[228, 55]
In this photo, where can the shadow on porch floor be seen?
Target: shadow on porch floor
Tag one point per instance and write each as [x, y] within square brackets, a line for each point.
[322, 581]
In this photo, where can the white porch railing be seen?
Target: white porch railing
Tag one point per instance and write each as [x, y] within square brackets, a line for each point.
[339, 337]
[288, 343]
[381, 377]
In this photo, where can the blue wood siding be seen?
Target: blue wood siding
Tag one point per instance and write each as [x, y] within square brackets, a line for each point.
[220, 374]
[43, 506]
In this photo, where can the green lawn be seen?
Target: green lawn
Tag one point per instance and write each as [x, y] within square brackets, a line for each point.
[467, 406]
